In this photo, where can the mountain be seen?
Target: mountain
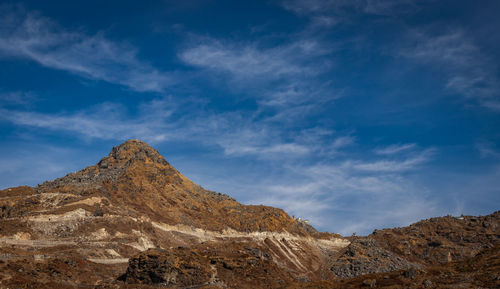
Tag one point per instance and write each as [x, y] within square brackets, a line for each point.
[135, 180]
[133, 221]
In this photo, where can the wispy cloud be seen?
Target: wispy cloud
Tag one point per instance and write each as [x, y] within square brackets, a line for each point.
[487, 149]
[158, 121]
[242, 61]
[105, 121]
[395, 166]
[32, 36]
[356, 192]
[342, 142]
[395, 148]
[281, 76]
[249, 62]
[346, 200]
[242, 135]
[331, 12]
[468, 70]
[390, 7]
[25, 98]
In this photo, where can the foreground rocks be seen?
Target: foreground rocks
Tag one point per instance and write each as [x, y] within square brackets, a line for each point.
[181, 266]
[225, 264]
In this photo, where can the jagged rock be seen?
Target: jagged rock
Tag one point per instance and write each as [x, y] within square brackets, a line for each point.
[369, 282]
[181, 267]
[365, 256]
[224, 264]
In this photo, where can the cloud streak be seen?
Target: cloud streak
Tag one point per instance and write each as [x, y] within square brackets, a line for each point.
[329, 13]
[346, 200]
[487, 149]
[395, 166]
[244, 61]
[158, 121]
[34, 37]
[281, 76]
[105, 121]
[469, 72]
[394, 149]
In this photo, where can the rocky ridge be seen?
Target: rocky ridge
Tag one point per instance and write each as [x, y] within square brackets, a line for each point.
[441, 240]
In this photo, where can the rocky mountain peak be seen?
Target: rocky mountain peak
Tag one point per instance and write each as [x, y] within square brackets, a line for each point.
[133, 154]
[136, 180]
[131, 151]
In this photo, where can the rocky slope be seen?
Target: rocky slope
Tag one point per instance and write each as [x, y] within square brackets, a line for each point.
[443, 239]
[138, 181]
[134, 221]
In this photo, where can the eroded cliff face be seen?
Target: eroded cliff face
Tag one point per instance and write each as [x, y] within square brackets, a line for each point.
[134, 221]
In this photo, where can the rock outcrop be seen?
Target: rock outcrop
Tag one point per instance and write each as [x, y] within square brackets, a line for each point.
[365, 256]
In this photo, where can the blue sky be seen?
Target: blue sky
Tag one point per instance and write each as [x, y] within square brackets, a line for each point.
[354, 114]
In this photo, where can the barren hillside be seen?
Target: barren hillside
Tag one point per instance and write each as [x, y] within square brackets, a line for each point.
[132, 220]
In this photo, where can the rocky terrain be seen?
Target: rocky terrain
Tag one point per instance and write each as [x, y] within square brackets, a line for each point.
[134, 221]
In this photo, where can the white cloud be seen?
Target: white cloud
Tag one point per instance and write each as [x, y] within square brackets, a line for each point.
[330, 12]
[285, 80]
[248, 62]
[338, 196]
[390, 7]
[487, 149]
[31, 36]
[237, 135]
[240, 135]
[307, 7]
[105, 121]
[342, 141]
[25, 98]
[240, 61]
[352, 196]
[394, 149]
[468, 70]
[394, 166]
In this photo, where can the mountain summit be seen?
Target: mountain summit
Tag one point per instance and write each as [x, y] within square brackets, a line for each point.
[138, 180]
[134, 150]
[132, 153]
